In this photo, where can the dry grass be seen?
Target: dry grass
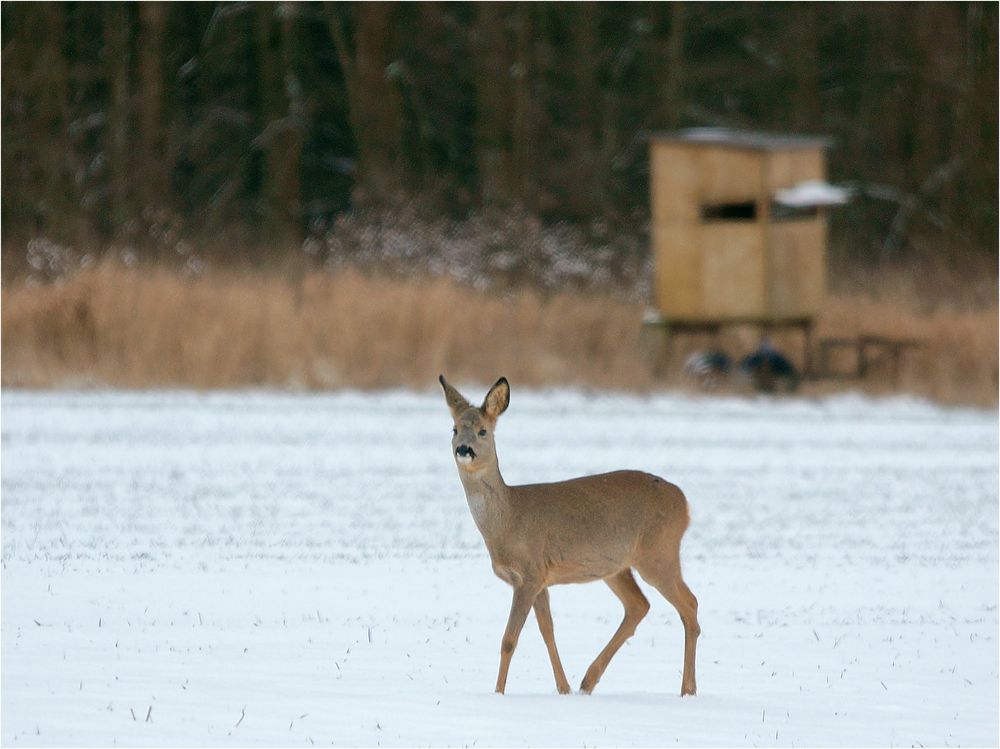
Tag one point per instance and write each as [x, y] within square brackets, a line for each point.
[113, 326]
[956, 361]
[128, 328]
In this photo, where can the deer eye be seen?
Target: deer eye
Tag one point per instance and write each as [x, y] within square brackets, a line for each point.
[482, 432]
[454, 431]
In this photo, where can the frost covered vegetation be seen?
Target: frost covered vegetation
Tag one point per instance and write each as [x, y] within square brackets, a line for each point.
[234, 569]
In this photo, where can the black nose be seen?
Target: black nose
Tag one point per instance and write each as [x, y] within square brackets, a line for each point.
[464, 450]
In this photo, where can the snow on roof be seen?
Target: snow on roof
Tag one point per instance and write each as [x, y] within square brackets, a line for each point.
[744, 138]
[812, 193]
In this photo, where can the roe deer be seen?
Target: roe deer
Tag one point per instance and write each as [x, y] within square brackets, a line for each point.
[590, 528]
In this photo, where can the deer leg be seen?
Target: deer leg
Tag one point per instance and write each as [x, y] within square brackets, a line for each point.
[524, 597]
[667, 579]
[624, 586]
[692, 629]
[544, 617]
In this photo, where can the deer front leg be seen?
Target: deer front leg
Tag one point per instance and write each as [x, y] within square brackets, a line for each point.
[524, 596]
[544, 617]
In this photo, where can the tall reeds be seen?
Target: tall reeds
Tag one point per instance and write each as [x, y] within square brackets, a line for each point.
[114, 326]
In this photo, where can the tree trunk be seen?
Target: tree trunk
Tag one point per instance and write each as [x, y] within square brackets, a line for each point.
[523, 131]
[493, 93]
[281, 124]
[978, 138]
[373, 99]
[59, 209]
[155, 188]
[804, 61]
[672, 107]
[117, 39]
[587, 191]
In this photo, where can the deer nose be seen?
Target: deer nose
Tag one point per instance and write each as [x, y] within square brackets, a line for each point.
[464, 450]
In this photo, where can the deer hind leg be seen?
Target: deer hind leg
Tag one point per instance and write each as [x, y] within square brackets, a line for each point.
[524, 597]
[625, 587]
[665, 576]
[544, 617]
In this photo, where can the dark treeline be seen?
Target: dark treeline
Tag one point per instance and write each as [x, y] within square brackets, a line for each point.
[262, 122]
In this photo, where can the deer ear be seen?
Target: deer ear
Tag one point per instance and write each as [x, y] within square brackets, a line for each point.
[497, 400]
[453, 398]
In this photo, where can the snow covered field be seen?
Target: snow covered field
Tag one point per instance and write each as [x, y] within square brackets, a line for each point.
[259, 568]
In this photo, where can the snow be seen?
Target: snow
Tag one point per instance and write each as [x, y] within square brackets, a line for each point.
[812, 192]
[253, 568]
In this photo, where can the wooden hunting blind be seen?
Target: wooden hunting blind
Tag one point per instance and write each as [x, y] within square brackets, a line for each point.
[739, 226]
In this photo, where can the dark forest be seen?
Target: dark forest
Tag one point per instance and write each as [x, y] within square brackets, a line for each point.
[259, 124]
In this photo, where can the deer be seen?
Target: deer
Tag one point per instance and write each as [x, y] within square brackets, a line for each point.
[598, 527]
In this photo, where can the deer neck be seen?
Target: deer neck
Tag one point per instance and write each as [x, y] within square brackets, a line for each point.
[488, 497]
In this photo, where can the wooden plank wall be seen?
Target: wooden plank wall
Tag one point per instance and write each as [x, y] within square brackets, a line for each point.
[716, 270]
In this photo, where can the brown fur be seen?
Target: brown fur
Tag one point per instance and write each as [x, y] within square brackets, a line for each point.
[591, 528]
